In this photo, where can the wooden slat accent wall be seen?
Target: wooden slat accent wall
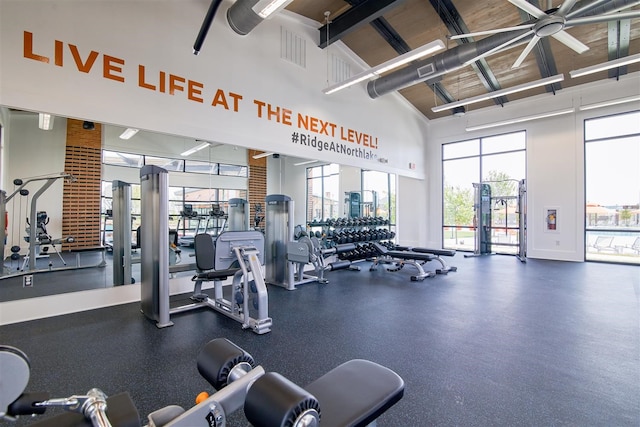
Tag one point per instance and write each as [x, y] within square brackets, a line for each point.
[81, 199]
[257, 183]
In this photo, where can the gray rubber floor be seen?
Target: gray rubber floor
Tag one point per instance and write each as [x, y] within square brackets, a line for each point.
[497, 343]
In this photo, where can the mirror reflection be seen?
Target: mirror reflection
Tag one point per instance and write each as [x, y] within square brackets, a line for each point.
[61, 199]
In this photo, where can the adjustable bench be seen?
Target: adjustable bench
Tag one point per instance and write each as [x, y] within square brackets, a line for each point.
[356, 393]
[353, 394]
[400, 258]
[437, 253]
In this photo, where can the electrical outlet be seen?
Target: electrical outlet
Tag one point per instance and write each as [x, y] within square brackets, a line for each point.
[27, 281]
[557, 242]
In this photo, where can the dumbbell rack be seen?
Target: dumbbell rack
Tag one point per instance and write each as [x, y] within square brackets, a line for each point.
[361, 231]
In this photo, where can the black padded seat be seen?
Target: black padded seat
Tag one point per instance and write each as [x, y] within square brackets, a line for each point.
[216, 275]
[438, 252]
[356, 393]
[408, 255]
[205, 250]
[415, 256]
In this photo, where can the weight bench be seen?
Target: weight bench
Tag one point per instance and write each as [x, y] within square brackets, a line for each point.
[437, 253]
[400, 259]
[353, 394]
[356, 393]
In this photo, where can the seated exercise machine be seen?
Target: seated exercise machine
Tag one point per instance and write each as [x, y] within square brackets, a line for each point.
[355, 393]
[233, 254]
[308, 250]
[43, 240]
[412, 256]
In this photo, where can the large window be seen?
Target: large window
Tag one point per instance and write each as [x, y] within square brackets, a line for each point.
[323, 196]
[116, 158]
[203, 201]
[498, 161]
[612, 188]
[382, 186]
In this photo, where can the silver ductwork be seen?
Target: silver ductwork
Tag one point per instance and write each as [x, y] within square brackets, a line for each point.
[458, 56]
[440, 64]
[241, 17]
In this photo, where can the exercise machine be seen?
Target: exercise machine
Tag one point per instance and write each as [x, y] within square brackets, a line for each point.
[355, 393]
[361, 203]
[238, 215]
[234, 254]
[187, 216]
[37, 234]
[49, 180]
[490, 208]
[309, 251]
[43, 240]
[216, 221]
[415, 257]
[278, 232]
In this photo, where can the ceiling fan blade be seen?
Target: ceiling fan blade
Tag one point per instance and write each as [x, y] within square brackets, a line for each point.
[566, 6]
[570, 41]
[528, 7]
[488, 32]
[603, 18]
[504, 45]
[525, 52]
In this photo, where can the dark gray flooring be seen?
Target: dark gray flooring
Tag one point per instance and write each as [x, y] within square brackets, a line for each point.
[497, 343]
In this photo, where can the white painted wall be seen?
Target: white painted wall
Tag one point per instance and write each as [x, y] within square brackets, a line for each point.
[247, 68]
[555, 160]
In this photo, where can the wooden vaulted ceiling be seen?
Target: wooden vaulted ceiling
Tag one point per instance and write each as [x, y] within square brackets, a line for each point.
[403, 25]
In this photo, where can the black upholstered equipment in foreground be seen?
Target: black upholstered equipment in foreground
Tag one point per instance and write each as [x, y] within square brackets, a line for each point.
[356, 393]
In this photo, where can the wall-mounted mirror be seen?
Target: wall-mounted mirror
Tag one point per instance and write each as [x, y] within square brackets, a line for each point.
[66, 174]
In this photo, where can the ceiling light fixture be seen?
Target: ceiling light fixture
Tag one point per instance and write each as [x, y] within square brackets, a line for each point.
[308, 162]
[498, 93]
[195, 149]
[45, 121]
[620, 62]
[128, 133]
[265, 8]
[261, 155]
[389, 65]
[609, 103]
[521, 119]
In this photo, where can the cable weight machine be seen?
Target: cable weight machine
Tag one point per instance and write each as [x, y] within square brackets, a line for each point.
[485, 222]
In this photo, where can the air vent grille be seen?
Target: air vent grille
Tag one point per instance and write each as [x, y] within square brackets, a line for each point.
[340, 69]
[293, 48]
[426, 70]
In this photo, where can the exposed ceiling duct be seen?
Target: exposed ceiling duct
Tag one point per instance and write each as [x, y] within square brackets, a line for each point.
[462, 55]
[244, 15]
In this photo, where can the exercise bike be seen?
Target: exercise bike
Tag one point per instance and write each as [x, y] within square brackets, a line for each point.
[355, 393]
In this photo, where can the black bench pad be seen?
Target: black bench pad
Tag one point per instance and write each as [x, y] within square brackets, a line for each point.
[216, 274]
[437, 252]
[356, 393]
[410, 255]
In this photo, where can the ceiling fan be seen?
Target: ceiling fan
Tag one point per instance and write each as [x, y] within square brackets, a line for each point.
[552, 23]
